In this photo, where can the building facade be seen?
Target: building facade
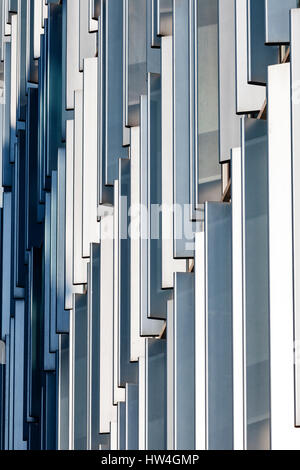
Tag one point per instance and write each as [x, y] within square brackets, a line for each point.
[149, 224]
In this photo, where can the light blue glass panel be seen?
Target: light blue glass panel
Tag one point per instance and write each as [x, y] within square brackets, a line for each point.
[122, 426]
[156, 402]
[114, 90]
[105, 193]
[13, 6]
[19, 443]
[49, 358]
[249, 98]
[126, 130]
[66, 113]
[53, 265]
[62, 315]
[278, 20]
[73, 76]
[229, 122]
[218, 255]
[164, 18]
[22, 19]
[136, 58]
[18, 221]
[184, 361]
[87, 40]
[150, 191]
[153, 53]
[155, 39]
[80, 373]
[127, 371]
[95, 344]
[208, 169]
[183, 118]
[132, 416]
[105, 442]
[6, 265]
[63, 396]
[157, 298]
[256, 281]
[259, 55]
